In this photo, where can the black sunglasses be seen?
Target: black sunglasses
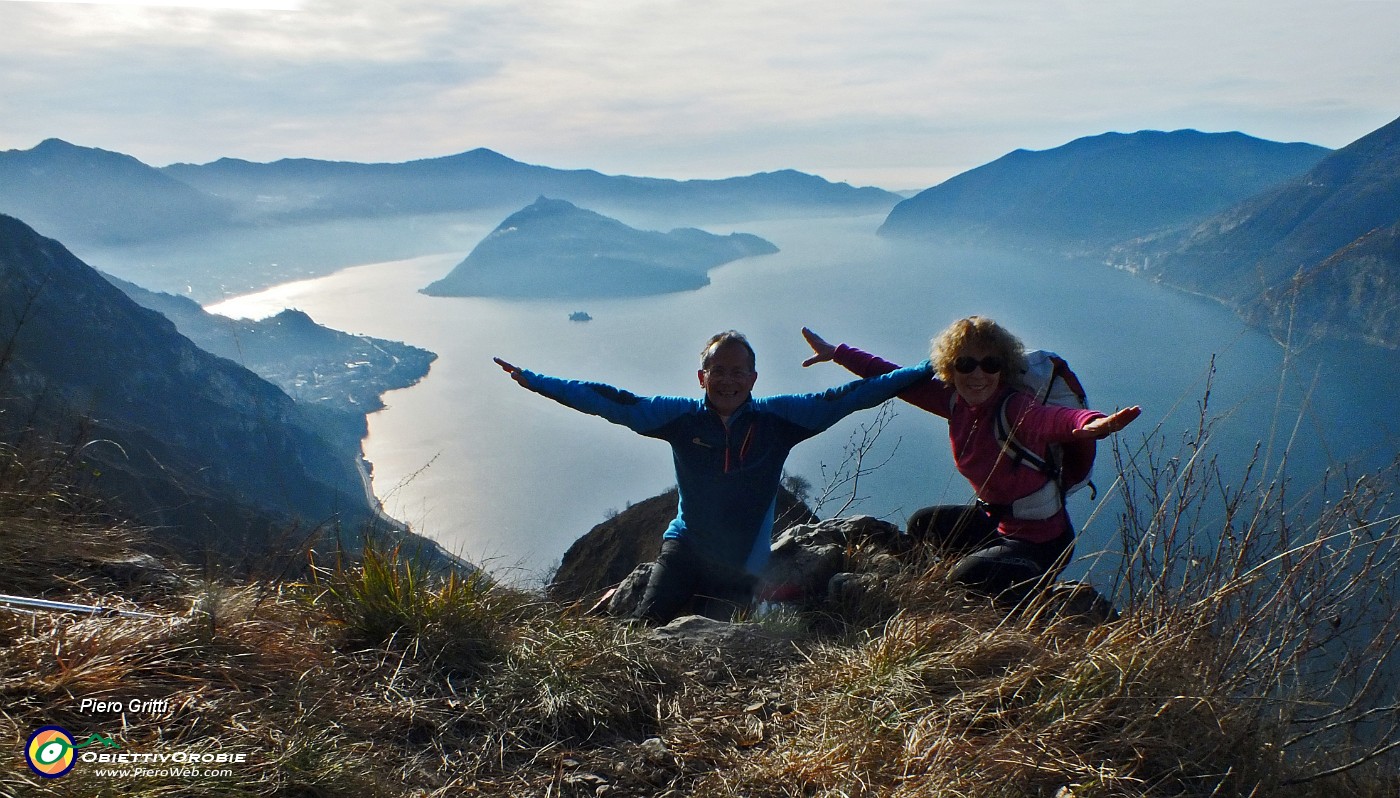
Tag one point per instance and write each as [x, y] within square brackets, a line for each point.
[990, 364]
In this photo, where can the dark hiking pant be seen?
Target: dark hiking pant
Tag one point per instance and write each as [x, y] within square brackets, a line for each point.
[685, 580]
[1004, 568]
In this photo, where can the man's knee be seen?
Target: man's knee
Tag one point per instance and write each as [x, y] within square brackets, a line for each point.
[671, 585]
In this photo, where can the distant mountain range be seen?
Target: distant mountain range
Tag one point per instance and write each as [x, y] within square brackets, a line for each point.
[1099, 190]
[1297, 239]
[555, 249]
[1276, 231]
[482, 179]
[87, 195]
[213, 457]
[233, 226]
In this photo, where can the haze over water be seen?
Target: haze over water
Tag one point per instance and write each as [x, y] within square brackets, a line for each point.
[510, 479]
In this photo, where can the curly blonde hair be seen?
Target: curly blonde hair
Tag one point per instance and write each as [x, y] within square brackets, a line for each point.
[982, 332]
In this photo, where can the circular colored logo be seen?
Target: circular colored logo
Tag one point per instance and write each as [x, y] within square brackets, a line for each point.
[50, 752]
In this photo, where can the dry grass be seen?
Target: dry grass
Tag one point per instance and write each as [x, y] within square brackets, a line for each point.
[41, 503]
[1252, 659]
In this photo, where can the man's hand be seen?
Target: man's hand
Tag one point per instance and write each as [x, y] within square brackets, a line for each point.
[513, 371]
[824, 351]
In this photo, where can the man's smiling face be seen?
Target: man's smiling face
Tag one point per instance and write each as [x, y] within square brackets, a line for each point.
[728, 378]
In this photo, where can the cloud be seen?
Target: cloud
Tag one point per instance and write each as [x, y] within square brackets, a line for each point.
[680, 89]
[240, 5]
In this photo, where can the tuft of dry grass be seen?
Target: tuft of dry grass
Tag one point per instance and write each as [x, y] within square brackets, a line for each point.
[40, 492]
[384, 597]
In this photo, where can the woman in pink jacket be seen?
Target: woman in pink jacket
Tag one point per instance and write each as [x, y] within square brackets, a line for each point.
[1004, 553]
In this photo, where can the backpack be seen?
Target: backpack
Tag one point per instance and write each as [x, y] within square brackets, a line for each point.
[1070, 465]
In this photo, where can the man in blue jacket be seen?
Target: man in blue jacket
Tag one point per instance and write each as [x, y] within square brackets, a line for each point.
[729, 449]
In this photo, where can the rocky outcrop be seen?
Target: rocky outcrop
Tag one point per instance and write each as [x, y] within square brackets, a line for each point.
[812, 567]
[806, 560]
[604, 556]
[1352, 295]
[807, 557]
[699, 631]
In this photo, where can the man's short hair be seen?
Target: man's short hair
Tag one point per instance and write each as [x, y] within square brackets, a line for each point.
[720, 340]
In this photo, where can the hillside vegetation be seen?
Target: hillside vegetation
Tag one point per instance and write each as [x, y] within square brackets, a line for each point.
[1252, 662]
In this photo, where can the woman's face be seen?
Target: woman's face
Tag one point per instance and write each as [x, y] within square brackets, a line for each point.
[981, 382]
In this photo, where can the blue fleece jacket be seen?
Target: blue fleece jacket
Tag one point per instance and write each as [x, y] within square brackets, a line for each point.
[727, 476]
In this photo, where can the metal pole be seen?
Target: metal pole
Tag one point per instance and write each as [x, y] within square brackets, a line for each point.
[64, 606]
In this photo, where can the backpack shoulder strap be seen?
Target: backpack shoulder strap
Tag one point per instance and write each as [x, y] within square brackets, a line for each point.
[1019, 454]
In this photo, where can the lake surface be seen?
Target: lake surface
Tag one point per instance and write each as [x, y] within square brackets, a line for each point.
[509, 479]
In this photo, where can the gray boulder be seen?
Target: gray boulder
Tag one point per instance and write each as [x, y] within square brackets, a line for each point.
[806, 557]
[697, 630]
[623, 600]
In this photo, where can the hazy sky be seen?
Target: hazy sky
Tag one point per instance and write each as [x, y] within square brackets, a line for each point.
[897, 94]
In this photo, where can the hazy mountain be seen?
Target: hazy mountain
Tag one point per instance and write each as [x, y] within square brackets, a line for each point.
[84, 194]
[482, 179]
[200, 448]
[1096, 191]
[1326, 237]
[553, 248]
[311, 363]
[234, 226]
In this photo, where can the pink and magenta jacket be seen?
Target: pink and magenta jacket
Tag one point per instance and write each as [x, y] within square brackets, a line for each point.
[976, 451]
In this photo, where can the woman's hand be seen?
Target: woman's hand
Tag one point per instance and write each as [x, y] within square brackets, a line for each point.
[824, 351]
[1103, 427]
[513, 371]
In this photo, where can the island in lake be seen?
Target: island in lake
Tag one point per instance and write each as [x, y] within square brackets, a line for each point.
[554, 249]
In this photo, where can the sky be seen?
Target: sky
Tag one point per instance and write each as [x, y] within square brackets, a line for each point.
[900, 94]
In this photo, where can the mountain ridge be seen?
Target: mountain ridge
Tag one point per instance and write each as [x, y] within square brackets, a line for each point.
[311, 363]
[101, 196]
[1187, 208]
[215, 458]
[235, 226]
[1098, 190]
[1304, 257]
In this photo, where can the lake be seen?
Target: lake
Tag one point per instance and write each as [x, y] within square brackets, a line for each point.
[509, 479]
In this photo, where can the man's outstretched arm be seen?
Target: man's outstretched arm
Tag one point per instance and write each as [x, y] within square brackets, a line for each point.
[638, 413]
[817, 411]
